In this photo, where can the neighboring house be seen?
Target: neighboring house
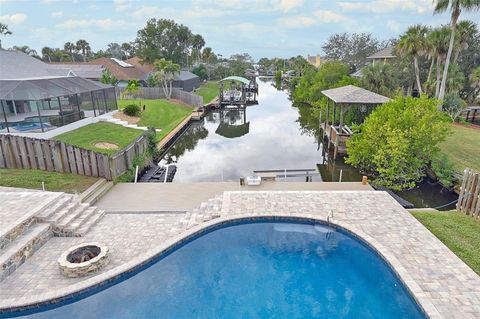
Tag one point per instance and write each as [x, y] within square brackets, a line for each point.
[317, 60]
[383, 55]
[36, 97]
[122, 70]
[83, 70]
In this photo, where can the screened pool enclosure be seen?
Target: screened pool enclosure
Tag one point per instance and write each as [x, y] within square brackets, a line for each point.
[39, 105]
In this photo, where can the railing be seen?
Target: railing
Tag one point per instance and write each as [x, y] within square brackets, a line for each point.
[151, 93]
[342, 137]
[469, 199]
[56, 156]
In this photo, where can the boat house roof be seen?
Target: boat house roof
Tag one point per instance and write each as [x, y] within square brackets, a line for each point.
[236, 78]
[352, 94]
[386, 53]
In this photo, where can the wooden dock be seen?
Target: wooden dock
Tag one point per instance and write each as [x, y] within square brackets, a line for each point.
[335, 139]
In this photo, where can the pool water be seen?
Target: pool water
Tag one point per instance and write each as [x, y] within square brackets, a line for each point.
[256, 270]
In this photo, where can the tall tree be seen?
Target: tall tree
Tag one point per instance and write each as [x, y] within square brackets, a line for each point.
[413, 42]
[115, 51]
[466, 31]
[4, 31]
[128, 50]
[165, 74]
[26, 49]
[84, 47]
[47, 54]
[351, 49]
[70, 47]
[455, 7]
[164, 38]
[198, 43]
[438, 47]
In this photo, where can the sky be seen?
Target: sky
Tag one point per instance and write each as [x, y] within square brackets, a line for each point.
[263, 28]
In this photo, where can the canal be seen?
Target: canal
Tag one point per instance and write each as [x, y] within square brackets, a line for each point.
[231, 143]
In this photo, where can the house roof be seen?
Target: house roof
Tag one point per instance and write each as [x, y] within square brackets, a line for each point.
[88, 71]
[137, 62]
[352, 94]
[185, 75]
[386, 53]
[15, 65]
[122, 73]
[46, 88]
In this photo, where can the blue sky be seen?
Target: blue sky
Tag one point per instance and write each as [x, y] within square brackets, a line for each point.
[271, 28]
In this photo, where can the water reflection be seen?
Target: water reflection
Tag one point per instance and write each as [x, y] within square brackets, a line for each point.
[275, 134]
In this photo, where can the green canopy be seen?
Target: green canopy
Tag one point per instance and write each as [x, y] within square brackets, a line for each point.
[233, 131]
[236, 78]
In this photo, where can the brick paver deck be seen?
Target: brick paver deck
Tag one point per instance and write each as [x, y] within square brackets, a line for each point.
[443, 285]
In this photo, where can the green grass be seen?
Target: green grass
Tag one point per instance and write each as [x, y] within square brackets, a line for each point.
[88, 135]
[208, 91]
[462, 147]
[32, 179]
[459, 232]
[160, 114]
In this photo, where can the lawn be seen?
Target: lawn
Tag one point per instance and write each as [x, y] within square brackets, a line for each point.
[208, 91]
[459, 232]
[462, 147]
[160, 114]
[55, 182]
[88, 135]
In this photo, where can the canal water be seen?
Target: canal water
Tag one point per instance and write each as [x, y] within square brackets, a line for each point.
[231, 143]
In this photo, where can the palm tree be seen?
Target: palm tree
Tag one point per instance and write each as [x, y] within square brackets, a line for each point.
[70, 48]
[466, 31]
[47, 54]
[25, 49]
[475, 83]
[4, 31]
[197, 43]
[84, 46]
[165, 74]
[413, 42]
[456, 7]
[438, 43]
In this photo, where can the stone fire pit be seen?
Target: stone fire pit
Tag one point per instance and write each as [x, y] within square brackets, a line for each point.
[83, 259]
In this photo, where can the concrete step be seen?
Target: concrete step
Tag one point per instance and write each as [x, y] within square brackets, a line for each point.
[92, 189]
[98, 193]
[22, 248]
[51, 210]
[89, 223]
[55, 218]
[66, 220]
[81, 220]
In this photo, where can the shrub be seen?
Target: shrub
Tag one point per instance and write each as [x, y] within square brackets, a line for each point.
[444, 170]
[398, 140]
[132, 110]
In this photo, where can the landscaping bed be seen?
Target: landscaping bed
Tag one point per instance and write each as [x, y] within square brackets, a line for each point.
[102, 133]
[55, 182]
[160, 114]
[459, 232]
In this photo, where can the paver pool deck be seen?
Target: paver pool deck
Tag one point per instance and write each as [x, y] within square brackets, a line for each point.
[443, 285]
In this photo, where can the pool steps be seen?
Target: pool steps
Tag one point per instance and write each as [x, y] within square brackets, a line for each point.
[65, 215]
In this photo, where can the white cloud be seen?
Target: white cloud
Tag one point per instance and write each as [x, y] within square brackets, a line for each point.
[384, 6]
[57, 14]
[298, 21]
[288, 5]
[16, 18]
[318, 17]
[87, 23]
[328, 16]
[122, 5]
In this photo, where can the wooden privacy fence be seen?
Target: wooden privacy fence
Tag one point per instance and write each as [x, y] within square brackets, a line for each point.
[469, 199]
[151, 93]
[56, 156]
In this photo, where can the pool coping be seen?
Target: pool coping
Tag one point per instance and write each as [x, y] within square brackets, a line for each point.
[91, 284]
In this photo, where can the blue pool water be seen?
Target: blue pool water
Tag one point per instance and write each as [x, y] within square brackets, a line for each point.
[256, 270]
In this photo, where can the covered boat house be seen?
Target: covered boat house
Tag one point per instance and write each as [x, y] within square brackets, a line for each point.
[339, 100]
[237, 91]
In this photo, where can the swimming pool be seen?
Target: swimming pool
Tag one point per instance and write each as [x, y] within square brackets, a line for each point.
[256, 270]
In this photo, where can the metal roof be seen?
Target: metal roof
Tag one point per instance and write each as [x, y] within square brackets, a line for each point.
[39, 89]
[236, 78]
[386, 53]
[352, 94]
[185, 75]
[15, 65]
[88, 71]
